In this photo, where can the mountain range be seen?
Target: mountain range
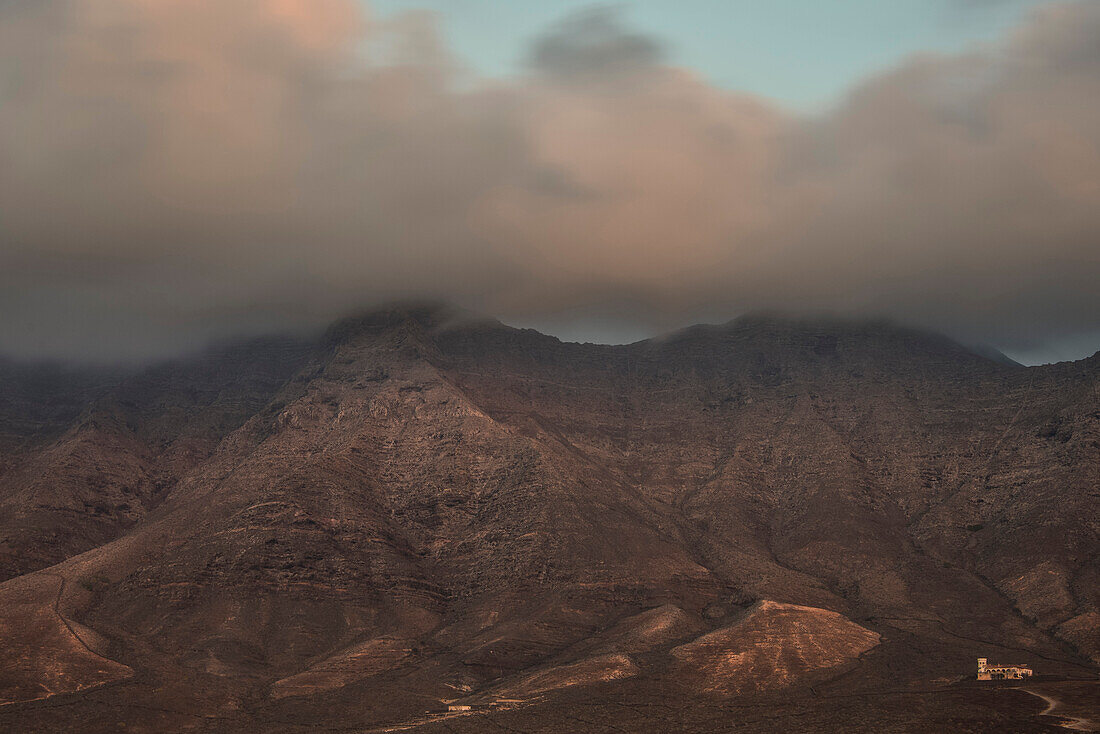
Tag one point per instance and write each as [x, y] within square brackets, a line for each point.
[772, 524]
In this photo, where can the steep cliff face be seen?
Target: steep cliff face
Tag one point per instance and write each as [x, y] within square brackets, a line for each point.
[426, 506]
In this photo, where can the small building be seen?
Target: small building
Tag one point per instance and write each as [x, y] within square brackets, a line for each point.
[1002, 672]
[459, 707]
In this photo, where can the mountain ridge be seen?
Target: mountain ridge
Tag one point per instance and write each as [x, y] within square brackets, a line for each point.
[423, 502]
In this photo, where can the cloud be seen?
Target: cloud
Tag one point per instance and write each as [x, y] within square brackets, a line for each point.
[176, 170]
[964, 192]
[593, 43]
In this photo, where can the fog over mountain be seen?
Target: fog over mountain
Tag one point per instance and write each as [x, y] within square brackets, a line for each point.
[177, 171]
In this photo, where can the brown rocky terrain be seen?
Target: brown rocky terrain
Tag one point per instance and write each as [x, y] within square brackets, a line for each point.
[773, 523]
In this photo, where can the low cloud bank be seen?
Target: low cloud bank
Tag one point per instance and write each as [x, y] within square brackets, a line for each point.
[178, 170]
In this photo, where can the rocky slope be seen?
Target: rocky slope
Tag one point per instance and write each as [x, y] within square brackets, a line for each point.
[423, 508]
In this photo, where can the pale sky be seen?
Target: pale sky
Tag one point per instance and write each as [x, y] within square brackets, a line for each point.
[802, 53]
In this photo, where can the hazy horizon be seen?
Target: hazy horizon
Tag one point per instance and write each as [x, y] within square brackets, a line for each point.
[570, 329]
